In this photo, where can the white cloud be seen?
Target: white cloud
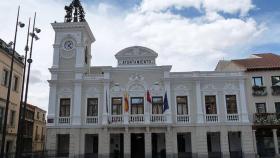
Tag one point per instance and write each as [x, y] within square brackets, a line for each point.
[186, 43]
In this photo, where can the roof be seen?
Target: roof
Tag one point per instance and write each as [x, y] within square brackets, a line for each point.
[265, 61]
[4, 47]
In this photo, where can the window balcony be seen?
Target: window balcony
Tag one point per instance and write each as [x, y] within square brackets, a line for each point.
[116, 119]
[232, 117]
[267, 119]
[64, 120]
[182, 119]
[158, 118]
[211, 118]
[136, 118]
[259, 91]
[92, 120]
[275, 90]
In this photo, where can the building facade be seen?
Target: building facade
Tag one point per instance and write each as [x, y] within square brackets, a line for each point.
[34, 130]
[138, 109]
[263, 98]
[13, 111]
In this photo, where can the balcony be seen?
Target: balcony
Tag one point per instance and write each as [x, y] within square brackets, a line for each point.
[267, 119]
[275, 90]
[259, 91]
[92, 120]
[182, 119]
[158, 118]
[136, 119]
[211, 118]
[64, 120]
[232, 117]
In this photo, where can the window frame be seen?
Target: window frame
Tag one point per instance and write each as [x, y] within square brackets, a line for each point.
[158, 104]
[254, 80]
[186, 105]
[260, 103]
[205, 105]
[137, 105]
[275, 104]
[15, 83]
[272, 80]
[236, 103]
[120, 104]
[60, 106]
[5, 77]
[92, 114]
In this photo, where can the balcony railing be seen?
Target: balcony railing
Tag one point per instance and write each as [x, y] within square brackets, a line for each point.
[183, 119]
[136, 118]
[275, 90]
[64, 120]
[158, 118]
[267, 118]
[92, 120]
[116, 119]
[259, 91]
[211, 118]
[233, 117]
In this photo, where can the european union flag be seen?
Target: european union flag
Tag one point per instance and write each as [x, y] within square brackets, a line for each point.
[165, 103]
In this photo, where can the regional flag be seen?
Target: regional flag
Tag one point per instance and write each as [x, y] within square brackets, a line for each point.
[126, 106]
[149, 98]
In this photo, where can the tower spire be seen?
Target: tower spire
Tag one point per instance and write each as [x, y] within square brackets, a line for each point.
[74, 12]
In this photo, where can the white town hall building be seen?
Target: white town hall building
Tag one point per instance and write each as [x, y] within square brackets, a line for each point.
[139, 109]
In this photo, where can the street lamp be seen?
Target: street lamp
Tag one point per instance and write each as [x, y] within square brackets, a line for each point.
[29, 61]
[20, 24]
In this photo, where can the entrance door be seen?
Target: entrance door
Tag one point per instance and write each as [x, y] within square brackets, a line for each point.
[265, 144]
[184, 145]
[63, 141]
[214, 144]
[235, 149]
[116, 145]
[158, 145]
[137, 145]
[91, 146]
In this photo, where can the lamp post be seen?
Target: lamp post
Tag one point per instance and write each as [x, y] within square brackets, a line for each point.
[29, 61]
[20, 24]
[20, 120]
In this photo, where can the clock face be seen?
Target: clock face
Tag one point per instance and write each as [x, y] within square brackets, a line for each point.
[68, 45]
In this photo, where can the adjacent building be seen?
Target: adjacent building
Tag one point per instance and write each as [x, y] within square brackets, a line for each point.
[34, 130]
[139, 109]
[263, 98]
[13, 111]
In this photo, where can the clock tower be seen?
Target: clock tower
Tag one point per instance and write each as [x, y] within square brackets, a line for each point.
[71, 61]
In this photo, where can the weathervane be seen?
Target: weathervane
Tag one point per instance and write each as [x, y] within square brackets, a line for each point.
[74, 12]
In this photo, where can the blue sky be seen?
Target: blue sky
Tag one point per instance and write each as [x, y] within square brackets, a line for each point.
[190, 35]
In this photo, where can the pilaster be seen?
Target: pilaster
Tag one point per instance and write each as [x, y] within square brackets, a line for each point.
[148, 145]
[76, 118]
[127, 145]
[52, 103]
[224, 144]
[244, 112]
[199, 102]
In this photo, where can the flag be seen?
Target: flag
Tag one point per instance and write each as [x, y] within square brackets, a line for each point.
[165, 103]
[149, 99]
[126, 106]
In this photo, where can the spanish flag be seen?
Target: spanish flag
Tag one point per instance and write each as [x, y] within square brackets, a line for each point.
[126, 106]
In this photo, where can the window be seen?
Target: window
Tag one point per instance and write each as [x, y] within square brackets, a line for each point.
[43, 118]
[210, 104]
[64, 107]
[231, 104]
[86, 55]
[157, 103]
[137, 105]
[277, 107]
[12, 118]
[15, 83]
[182, 105]
[275, 80]
[1, 117]
[38, 115]
[260, 108]
[116, 106]
[257, 81]
[5, 78]
[92, 107]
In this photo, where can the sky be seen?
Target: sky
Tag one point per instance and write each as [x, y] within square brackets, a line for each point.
[190, 35]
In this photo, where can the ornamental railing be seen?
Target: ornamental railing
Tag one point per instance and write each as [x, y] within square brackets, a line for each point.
[183, 119]
[64, 120]
[212, 118]
[136, 118]
[116, 119]
[92, 120]
[267, 118]
[233, 117]
[158, 118]
[259, 91]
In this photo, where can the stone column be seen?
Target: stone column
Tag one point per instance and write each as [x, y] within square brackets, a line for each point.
[74, 145]
[127, 145]
[248, 142]
[104, 144]
[76, 117]
[198, 102]
[225, 144]
[148, 145]
[255, 142]
[171, 144]
[244, 111]
[275, 139]
[201, 142]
